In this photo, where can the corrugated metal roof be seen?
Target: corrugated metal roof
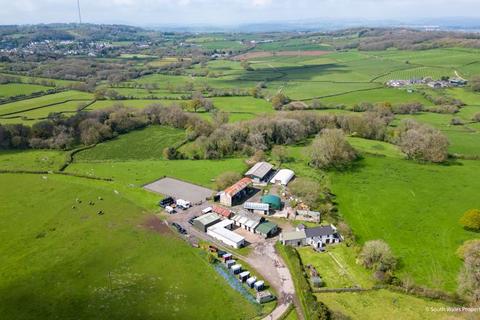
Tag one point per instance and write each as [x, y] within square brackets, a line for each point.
[237, 187]
[221, 211]
[208, 218]
[266, 227]
[294, 235]
[260, 170]
[256, 206]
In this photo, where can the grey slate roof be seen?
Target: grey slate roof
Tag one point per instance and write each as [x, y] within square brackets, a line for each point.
[319, 231]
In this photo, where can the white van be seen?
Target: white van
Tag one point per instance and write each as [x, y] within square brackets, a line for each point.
[184, 204]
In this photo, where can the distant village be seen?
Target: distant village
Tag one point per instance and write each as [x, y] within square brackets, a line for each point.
[434, 84]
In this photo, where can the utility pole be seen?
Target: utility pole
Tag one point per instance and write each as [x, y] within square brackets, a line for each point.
[79, 12]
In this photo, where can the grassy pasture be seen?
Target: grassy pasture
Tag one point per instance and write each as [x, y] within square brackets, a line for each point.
[16, 89]
[24, 105]
[26, 79]
[424, 202]
[31, 160]
[145, 144]
[384, 304]
[140, 172]
[393, 96]
[49, 268]
[337, 267]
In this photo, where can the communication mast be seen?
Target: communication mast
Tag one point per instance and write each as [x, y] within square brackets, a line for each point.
[79, 12]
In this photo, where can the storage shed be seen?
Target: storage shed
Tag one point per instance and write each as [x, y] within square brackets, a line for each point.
[224, 212]
[236, 269]
[257, 207]
[247, 220]
[259, 285]
[266, 229]
[273, 201]
[243, 276]
[251, 281]
[283, 177]
[202, 223]
[235, 193]
[230, 263]
[294, 238]
[221, 232]
[260, 172]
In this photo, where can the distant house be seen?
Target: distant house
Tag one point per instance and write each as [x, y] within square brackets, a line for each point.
[436, 84]
[247, 220]
[256, 207]
[260, 172]
[235, 193]
[457, 82]
[283, 177]
[202, 223]
[316, 237]
[266, 229]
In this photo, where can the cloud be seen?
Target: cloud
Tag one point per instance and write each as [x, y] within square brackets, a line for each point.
[143, 12]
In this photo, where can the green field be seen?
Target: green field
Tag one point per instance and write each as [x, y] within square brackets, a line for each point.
[145, 144]
[72, 263]
[57, 98]
[138, 173]
[337, 267]
[16, 89]
[31, 160]
[384, 304]
[413, 207]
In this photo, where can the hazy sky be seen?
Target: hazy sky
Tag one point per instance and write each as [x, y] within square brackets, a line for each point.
[227, 12]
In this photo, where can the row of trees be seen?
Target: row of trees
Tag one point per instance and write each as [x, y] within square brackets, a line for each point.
[330, 149]
[59, 132]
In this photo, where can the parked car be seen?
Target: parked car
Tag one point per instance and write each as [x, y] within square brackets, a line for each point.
[166, 202]
[191, 220]
[170, 210]
[179, 228]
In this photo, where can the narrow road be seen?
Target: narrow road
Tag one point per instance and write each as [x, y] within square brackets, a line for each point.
[263, 258]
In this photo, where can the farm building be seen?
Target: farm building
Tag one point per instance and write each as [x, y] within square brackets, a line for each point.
[319, 236]
[221, 232]
[202, 223]
[256, 207]
[223, 212]
[260, 172]
[283, 177]
[294, 238]
[316, 237]
[266, 229]
[247, 220]
[273, 201]
[235, 193]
